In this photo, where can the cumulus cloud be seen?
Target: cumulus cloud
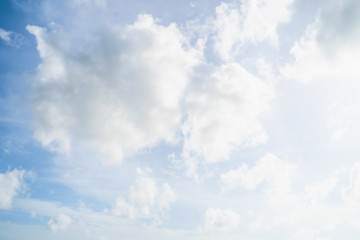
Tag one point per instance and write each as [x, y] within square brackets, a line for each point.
[222, 113]
[146, 199]
[118, 89]
[250, 21]
[220, 220]
[11, 184]
[60, 222]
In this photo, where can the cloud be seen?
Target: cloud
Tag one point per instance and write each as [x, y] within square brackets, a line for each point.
[60, 222]
[5, 35]
[11, 38]
[251, 21]
[220, 220]
[327, 54]
[124, 89]
[329, 49]
[352, 192]
[222, 111]
[275, 173]
[341, 118]
[115, 88]
[320, 190]
[146, 199]
[11, 184]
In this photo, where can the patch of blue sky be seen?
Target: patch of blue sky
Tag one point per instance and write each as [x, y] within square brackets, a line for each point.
[19, 216]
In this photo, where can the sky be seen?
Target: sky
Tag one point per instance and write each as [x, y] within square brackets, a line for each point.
[191, 120]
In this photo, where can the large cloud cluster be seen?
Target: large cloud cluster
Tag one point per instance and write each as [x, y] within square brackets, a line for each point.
[123, 89]
[119, 90]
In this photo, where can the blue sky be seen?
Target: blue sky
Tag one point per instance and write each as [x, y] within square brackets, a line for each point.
[179, 119]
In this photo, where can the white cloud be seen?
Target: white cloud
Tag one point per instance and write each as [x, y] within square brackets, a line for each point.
[326, 56]
[5, 35]
[277, 174]
[343, 118]
[117, 89]
[11, 184]
[329, 49]
[11, 38]
[352, 192]
[146, 199]
[220, 220]
[60, 222]
[222, 113]
[320, 190]
[249, 21]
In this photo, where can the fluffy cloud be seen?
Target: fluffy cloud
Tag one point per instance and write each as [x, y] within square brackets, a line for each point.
[146, 199]
[11, 184]
[249, 21]
[220, 220]
[60, 222]
[121, 89]
[222, 113]
[118, 88]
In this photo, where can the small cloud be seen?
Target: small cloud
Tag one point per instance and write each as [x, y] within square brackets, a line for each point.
[146, 199]
[338, 134]
[320, 190]
[277, 176]
[11, 38]
[220, 220]
[33, 214]
[351, 193]
[60, 222]
[11, 184]
[237, 24]
[270, 169]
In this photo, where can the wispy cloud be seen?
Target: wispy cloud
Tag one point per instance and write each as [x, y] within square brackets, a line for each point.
[11, 38]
